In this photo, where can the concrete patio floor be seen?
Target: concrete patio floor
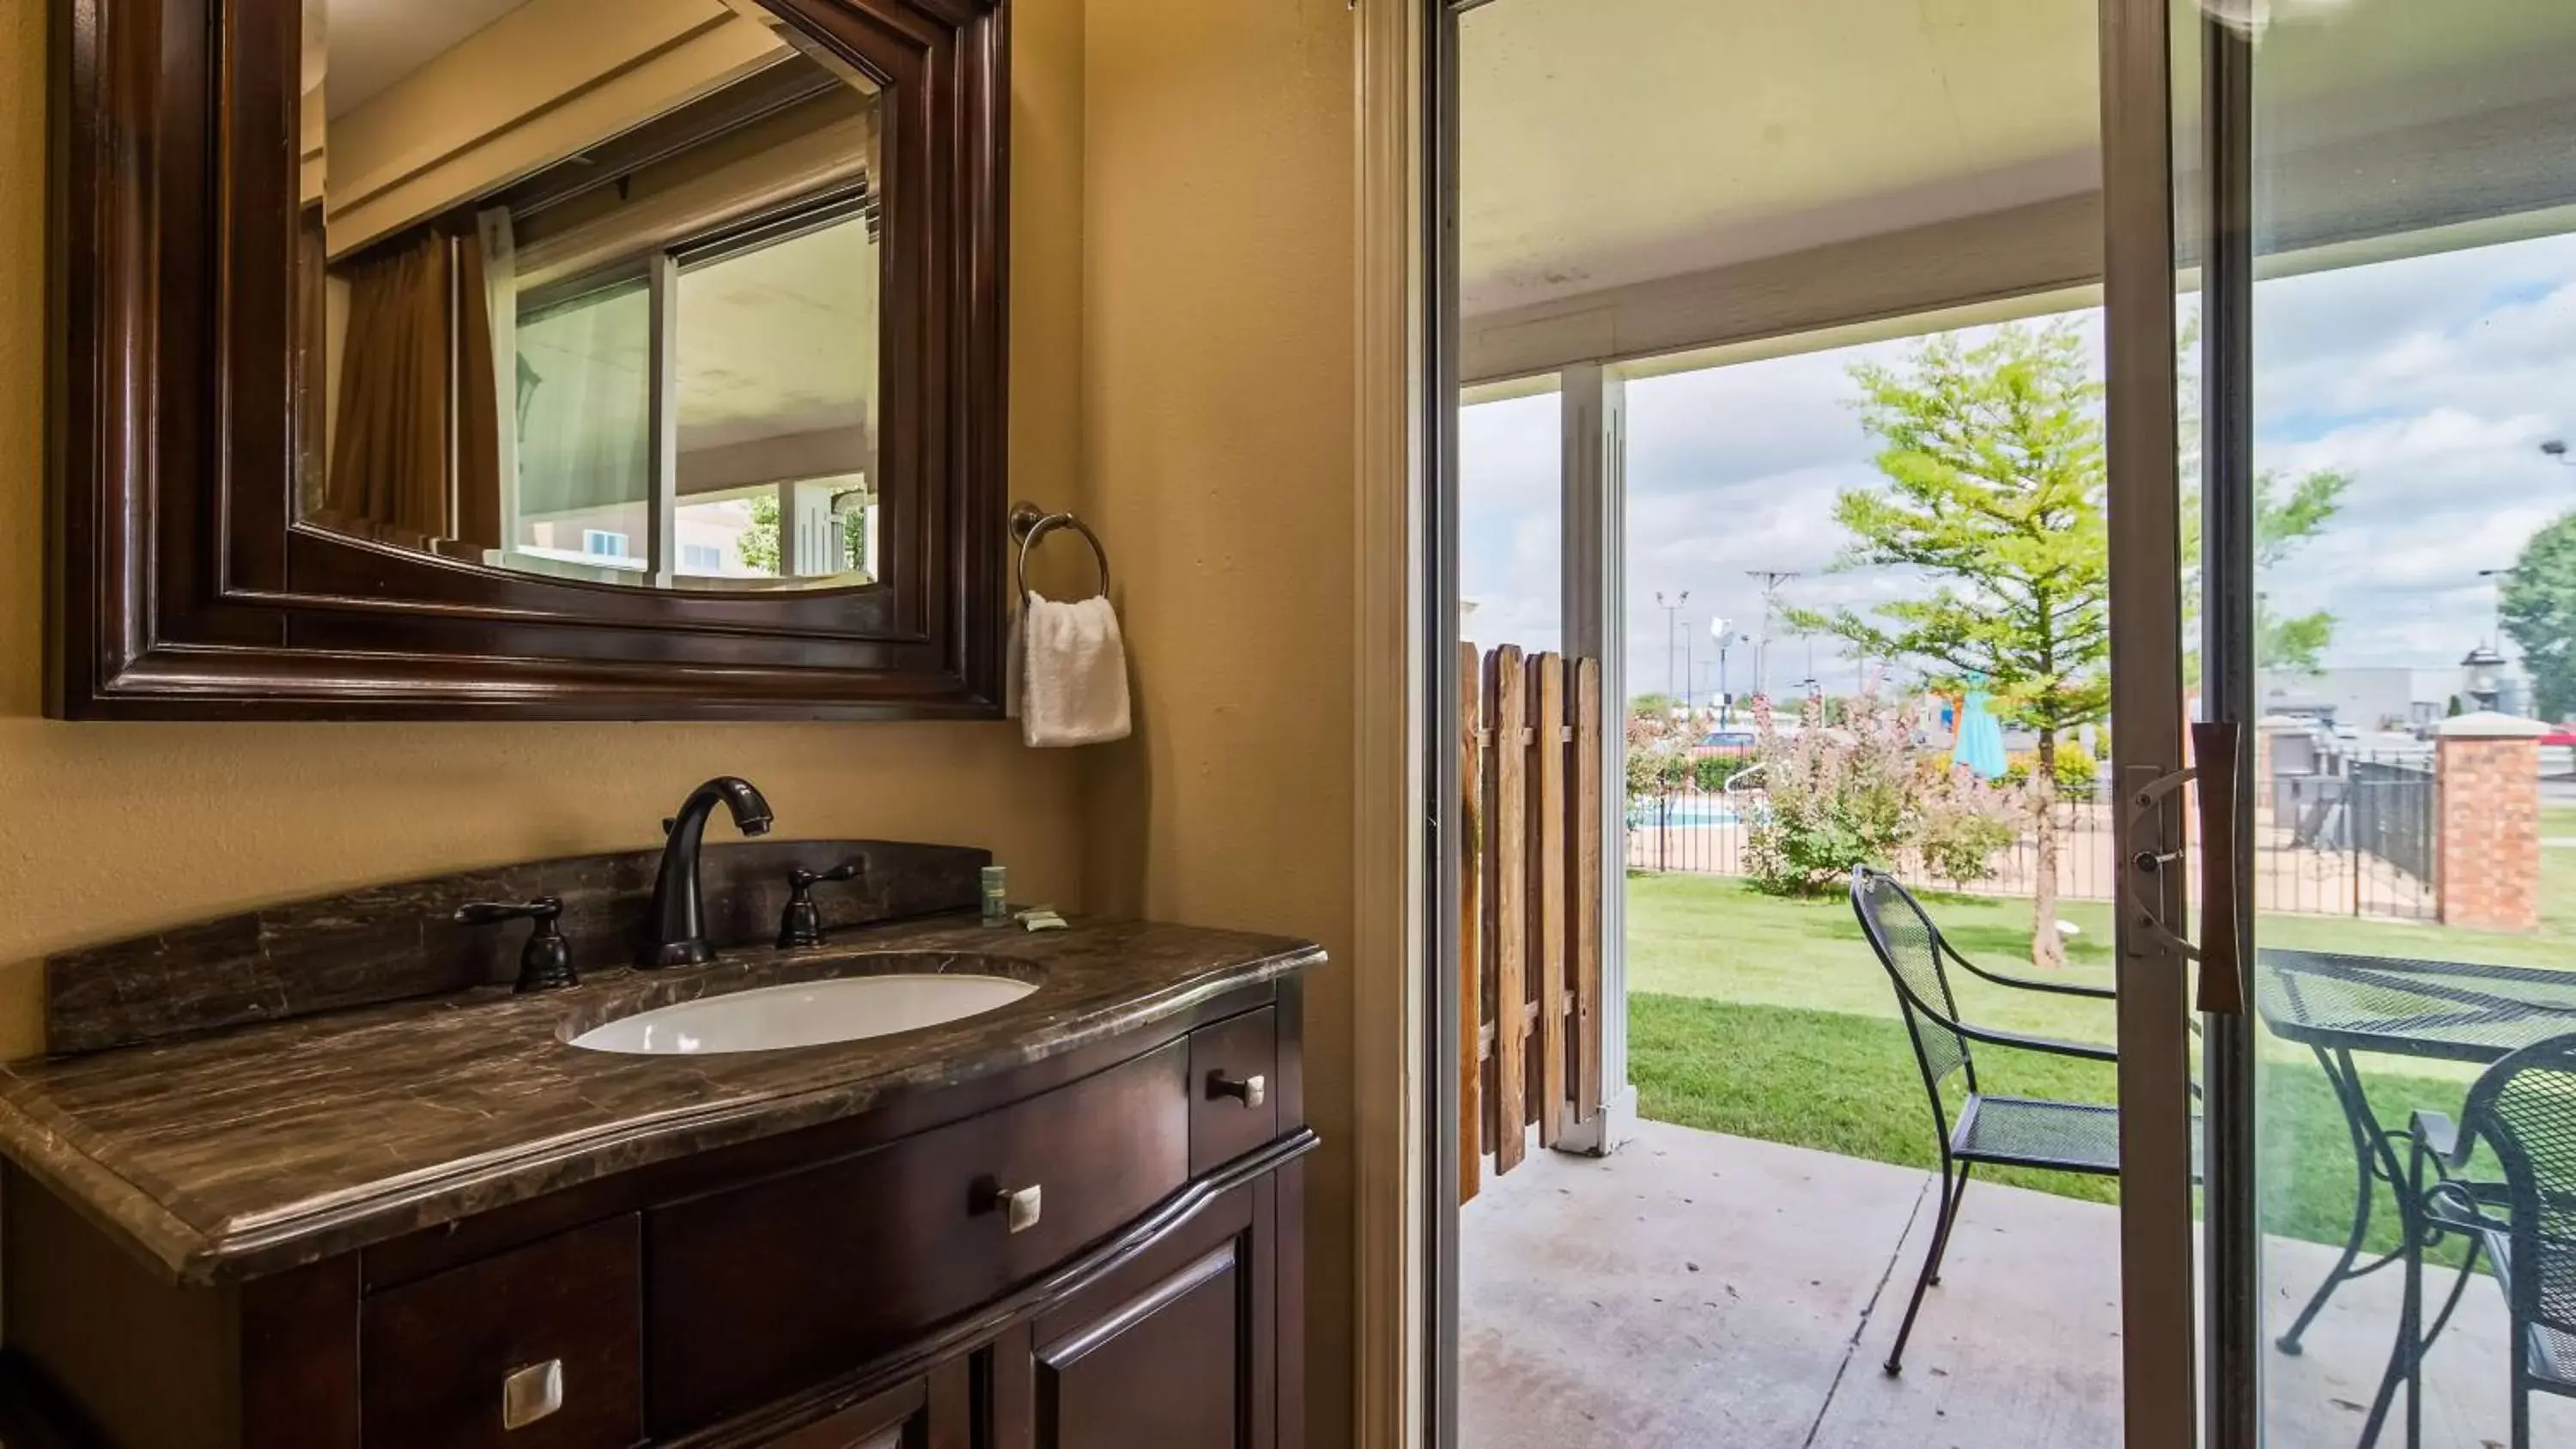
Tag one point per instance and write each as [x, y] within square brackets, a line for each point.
[1720, 1293]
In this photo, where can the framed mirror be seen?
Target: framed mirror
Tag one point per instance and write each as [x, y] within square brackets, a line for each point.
[543, 358]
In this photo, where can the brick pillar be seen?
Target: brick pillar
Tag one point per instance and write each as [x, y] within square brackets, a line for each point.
[2486, 827]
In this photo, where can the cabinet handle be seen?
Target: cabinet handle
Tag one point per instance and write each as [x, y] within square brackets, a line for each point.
[531, 1393]
[1251, 1091]
[1019, 1206]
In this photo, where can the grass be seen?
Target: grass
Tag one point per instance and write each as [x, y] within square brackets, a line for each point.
[1770, 1018]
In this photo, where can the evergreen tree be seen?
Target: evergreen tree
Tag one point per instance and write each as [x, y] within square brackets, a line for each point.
[1993, 453]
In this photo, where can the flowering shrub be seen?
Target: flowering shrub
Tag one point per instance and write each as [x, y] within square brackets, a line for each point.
[1965, 821]
[1658, 764]
[1861, 792]
[2078, 772]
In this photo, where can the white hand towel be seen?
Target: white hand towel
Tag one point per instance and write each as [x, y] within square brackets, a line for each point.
[1075, 673]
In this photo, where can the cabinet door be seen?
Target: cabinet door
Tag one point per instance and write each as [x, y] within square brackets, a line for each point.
[1176, 1349]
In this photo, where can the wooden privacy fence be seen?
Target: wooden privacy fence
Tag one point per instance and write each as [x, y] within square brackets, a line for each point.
[1529, 939]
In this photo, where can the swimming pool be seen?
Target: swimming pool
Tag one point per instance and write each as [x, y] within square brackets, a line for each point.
[1688, 812]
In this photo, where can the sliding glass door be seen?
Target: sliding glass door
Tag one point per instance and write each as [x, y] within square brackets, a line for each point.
[2386, 611]
[2332, 470]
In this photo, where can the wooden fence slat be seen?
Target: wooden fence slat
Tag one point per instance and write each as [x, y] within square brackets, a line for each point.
[1532, 1079]
[1471, 922]
[1588, 884]
[1508, 850]
[1488, 1098]
[1548, 739]
[1531, 860]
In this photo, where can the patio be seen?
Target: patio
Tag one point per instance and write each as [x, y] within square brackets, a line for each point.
[1697, 1289]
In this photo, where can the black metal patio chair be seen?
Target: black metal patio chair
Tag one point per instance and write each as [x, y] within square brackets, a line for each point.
[2523, 1108]
[2000, 1131]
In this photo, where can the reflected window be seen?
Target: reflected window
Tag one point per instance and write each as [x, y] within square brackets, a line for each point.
[624, 332]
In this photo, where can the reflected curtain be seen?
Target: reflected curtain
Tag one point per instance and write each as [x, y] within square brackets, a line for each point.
[416, 447]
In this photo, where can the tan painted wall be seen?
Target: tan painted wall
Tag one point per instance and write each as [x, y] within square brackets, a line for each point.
[111, 829]
[1218, 288]
[1181, 326]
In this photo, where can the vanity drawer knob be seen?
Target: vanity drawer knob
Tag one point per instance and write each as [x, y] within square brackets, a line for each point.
[531, 1393]
[1019, 1206]
[1250, 1091]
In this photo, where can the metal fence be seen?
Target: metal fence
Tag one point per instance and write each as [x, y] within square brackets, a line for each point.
[2355, 837]
[1708, 833]
[2353, 834]
[2392, 813]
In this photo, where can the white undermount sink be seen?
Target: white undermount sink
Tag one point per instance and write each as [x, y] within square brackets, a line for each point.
[807, 1013]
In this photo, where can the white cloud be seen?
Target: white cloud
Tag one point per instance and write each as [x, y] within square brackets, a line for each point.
[2431, 380]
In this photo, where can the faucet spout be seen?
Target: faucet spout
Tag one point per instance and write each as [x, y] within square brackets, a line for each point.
[678, 934]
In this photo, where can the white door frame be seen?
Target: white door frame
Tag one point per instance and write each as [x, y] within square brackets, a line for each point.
[1391, 1371]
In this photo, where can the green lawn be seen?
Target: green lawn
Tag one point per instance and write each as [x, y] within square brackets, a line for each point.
[2558, 822]
[1770, 1018]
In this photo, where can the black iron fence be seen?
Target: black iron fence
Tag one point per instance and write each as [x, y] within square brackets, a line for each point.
[2355, 834]
[2355, 837]
[2392, 812]
[1710, 833]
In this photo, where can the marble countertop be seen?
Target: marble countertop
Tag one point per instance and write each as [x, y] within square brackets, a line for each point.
[227, 1155]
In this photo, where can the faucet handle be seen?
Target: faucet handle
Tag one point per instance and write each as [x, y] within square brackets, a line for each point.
[545, 962]
[801, 879]
[801, 924]
[485, 913]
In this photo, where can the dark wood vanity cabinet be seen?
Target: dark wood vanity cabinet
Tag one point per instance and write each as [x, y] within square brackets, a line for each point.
[1175, 1349]
[1101, 1249]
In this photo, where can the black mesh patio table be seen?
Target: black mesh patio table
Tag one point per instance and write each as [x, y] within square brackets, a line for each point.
[2336, 1005]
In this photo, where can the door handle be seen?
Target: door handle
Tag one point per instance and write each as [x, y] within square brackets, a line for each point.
[2218, 750]
[2219, 753]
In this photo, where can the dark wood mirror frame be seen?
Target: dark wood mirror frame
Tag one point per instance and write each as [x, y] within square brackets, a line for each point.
[181, 584]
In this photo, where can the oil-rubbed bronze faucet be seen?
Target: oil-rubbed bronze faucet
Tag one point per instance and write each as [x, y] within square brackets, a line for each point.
[678, 934]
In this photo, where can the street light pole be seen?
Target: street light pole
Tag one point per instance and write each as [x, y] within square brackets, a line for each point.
[1717, 630]
[1690, 660]
[1672, 633]
[1771, 580]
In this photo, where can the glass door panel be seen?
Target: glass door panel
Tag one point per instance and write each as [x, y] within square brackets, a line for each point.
[2398, 514]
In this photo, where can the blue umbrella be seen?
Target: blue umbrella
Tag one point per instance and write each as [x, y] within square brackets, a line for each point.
[1981, 740]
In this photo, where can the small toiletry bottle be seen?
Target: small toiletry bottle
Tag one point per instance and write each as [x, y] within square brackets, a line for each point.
[997, 892]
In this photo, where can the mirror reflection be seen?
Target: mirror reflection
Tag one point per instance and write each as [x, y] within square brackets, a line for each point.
[594, 286]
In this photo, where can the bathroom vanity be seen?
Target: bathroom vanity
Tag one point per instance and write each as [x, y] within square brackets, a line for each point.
[318, 1177]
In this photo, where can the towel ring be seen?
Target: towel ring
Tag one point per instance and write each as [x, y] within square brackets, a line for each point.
[1029, 523]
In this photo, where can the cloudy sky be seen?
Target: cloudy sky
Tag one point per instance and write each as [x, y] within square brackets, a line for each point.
[2431, 380]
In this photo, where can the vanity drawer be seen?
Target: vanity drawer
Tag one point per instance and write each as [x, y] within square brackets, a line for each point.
[1234, 1073]
[758, 1291]
[537, 1347]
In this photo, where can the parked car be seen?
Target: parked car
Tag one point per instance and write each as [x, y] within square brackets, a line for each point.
[1725, 744]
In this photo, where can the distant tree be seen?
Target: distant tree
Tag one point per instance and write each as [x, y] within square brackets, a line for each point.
[2285, 521]
[757, 545]
[1652, 705]
[2538, 606]
[1993, 454]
